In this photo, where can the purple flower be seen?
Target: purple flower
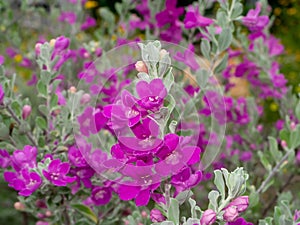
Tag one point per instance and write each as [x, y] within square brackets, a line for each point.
[61, 44]
[170, 14]
[76, 158]
[173, 33]
[231, 213]
[57, 171]
[1, 94]
[101, 195]
[255, 22]
[185, 179]
[246, 156]
[156, 216]
[26, 63]
[275, 48]
[2, 59]
[33, 80]
[151, 94]
[208, 217]
[89, 22]
[193, 18]
[140, 194]
[91, 121]
[25, 158]
[25, 182]
[69, 17]
[4, 159]
[82, 174]
[239, 221]
[188, 58]
[297, 215]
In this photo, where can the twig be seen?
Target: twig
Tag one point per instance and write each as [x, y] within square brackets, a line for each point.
[276, 196]
[274, 171]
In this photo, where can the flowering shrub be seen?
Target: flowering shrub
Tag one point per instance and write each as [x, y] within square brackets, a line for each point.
[113, 129]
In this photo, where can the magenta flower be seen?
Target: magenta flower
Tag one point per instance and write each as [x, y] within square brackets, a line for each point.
[185, 179]
[83, 175]
[1, 94]
[208, 217]
[4, 159]
[89, 22]
[140, 194]
[255, 22]
[57, 173]
[69, 17]
[2, 59]
[188, 58]
[91, 121]
[170, 14]
[25, 182]
[101, 195]
[32, 81]
[193, 18]
[26, 63]
[239, 221]
[76, 158]
[61, 44]
[25, 158]
[151, 94]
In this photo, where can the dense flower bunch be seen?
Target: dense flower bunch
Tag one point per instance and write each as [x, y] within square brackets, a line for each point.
[114, 129]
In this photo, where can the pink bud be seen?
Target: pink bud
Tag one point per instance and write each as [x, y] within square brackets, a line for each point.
[26, 111]
[86, 98]
[19, 206]
[72, 89]
[48, 213]
[140, 66]
[259, 128]
[231, 214]
[38, 48]
[144, 214]
[156, 216]
[241, 203]
[293, 125]
[283, 143]
[208, 217]
[298, 157]
[162, 53]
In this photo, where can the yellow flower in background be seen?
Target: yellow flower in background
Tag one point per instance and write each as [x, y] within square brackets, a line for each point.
[90, 4]
[291, 11]
[274, 107]
[18, 58]
[297, 89]
[277, 11]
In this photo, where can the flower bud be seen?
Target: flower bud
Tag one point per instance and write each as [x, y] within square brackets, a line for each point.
[19, 206]
[293, 125]
[208, 217]
[52, 42]
[26, 111]
[72, 89]
[140, 66]
[162, 53]
[156, 216]
[231, 214]
[86, 98]
[38, 48]
[241, 203]
[48, 213]
[144, 214]
[283, 143]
